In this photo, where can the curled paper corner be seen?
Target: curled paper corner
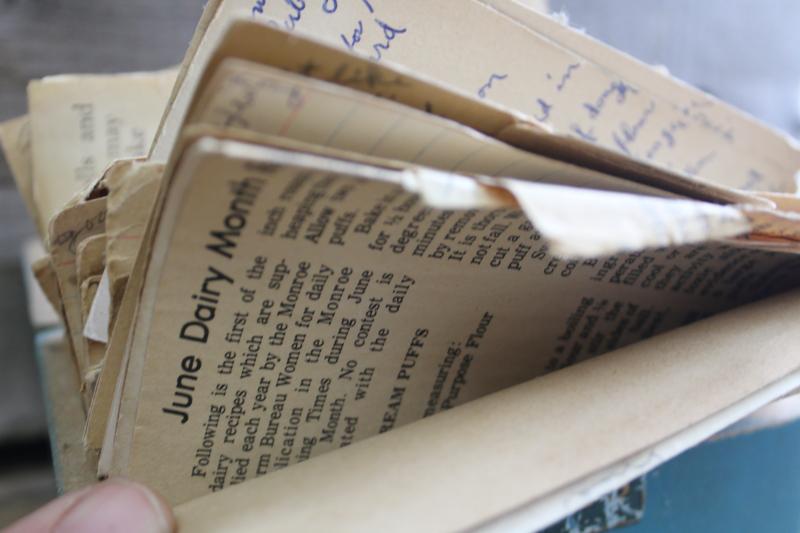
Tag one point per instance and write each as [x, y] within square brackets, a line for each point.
[443, 190]
[582, 223]
[585, 248]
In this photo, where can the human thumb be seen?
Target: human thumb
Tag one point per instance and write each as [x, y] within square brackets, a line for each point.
[116, 505]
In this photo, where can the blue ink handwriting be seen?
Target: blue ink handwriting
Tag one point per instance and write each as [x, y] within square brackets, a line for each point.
[754, 179]
[619, 88]
[357, 34]
[586, 135]
[690, 111]
[567, 75]
[489, 84]
[390, 33]
[707, 123]
[258, 8]
[629, 133]
[544, 110]
[700, 165]
[667, 139]
[330, 6]
[298, 6]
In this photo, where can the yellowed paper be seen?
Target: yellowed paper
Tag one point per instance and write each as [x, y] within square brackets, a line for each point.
[91, 257]
[132, 190]
[310, 308]
[179, 98]
[731, 126]
[80, 124]
[257, 98]
[97, 416]
[252, 97]
[565, 93]
[501, 456]
[693, 271]
[412, 89]
[15, 139]
[90, 265]
[784, 202]
[68, 229]
[102, 413]
[132, 187]
[237, 81]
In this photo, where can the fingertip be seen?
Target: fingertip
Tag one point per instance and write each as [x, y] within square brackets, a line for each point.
[117, 505]
[159, 509]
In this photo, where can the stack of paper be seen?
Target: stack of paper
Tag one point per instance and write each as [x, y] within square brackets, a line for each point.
[355, 217]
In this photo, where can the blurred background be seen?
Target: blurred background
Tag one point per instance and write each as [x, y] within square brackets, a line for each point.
[742, 51]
